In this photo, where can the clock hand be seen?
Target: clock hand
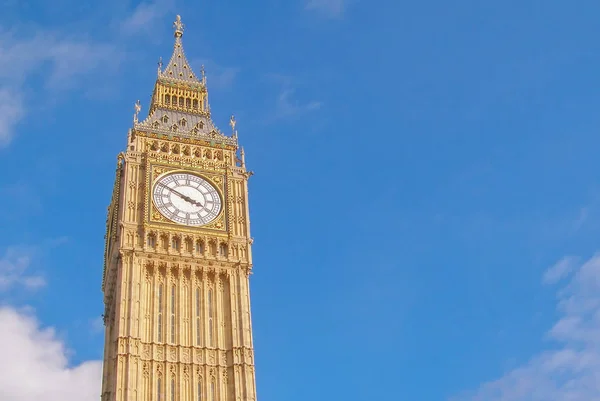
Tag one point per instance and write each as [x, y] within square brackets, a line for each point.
[182, 196]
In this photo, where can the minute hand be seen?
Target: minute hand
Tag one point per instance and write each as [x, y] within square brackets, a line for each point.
[184, 197]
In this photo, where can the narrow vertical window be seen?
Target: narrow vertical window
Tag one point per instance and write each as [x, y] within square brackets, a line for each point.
[198, 326]
[158, 389]
[223, 250]
[173, 314]
[212, 391]
[172, 389]
[199, 391]
[160, 312]
[210, 319]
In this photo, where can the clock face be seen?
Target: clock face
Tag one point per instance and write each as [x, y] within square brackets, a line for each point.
[186, 199]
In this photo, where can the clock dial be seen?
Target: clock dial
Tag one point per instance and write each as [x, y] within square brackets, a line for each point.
[186, 199]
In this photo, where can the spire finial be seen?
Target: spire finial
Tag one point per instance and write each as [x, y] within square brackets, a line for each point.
[138, 107]
[203, 73]
[178, 25]
[232, 123]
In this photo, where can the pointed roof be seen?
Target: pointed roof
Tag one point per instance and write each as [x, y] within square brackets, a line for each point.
[179, 67]
[190, 116]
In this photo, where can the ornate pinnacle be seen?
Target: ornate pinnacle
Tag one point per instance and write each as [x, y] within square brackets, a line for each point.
[232, 123]
[178, 25]
[138, 107]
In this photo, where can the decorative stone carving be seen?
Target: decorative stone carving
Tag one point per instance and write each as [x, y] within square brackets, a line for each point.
[147, 351]
[198, 356]
[172, 354]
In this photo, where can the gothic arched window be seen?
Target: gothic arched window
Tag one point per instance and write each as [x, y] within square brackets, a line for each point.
[223, 250]
[159, 325]
[210, 318]
[198, 321]
[173, 313]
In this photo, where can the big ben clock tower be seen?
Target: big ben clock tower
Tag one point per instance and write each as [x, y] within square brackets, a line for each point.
[178, 253]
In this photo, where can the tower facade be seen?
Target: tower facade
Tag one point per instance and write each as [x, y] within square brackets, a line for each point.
[178, 253]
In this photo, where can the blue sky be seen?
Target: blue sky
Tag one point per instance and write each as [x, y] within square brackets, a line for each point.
[425, 208]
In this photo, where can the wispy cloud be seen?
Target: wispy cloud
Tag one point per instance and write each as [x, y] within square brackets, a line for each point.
[570, 370]
[327, 8]
[144, 18]
[97, 325]
[17, 267]
[217, 76]
[287, 104]
[64, 60]
[14, 270]
[11, 112]
[34, 363]
[560, 270]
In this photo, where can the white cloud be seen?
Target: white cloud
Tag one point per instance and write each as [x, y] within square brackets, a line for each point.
[11, 112]
[328, 8]
[569, 371]
[97, 325]
[287, 106]
[560, 270]
[34, 364]
[144, 18]
[59, 60]
[13, 270]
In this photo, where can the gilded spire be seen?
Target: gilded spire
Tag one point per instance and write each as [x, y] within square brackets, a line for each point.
[178, 67]
[178, 25]
[179, 104]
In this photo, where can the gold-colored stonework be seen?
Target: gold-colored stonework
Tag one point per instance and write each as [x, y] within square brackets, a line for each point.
[176, 296]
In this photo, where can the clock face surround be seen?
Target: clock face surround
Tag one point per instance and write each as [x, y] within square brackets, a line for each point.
[186, 198]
